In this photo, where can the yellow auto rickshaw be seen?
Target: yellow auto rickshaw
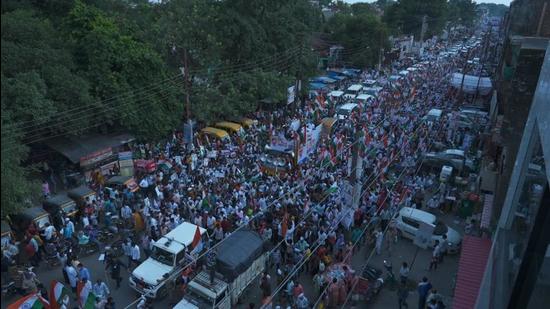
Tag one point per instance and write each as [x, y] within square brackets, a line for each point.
[231, 127]
[247, 122]
[214, 133]
[61, 203]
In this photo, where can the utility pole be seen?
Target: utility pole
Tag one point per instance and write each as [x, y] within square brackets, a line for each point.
[422, 33]
[188, 128]
[380, 55]
[356, 169]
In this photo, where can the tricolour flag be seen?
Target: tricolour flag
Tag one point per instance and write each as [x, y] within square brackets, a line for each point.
[86, 297]
[31, 301]
[196, 244]
[57, 292]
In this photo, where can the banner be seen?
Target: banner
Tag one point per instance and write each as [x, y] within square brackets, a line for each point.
[312, 139]
[291, 94]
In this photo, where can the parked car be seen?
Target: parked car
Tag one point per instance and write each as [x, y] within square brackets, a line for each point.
[408, 220]
[453, 157]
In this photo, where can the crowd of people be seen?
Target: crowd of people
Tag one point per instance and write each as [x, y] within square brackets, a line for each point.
[220, 186]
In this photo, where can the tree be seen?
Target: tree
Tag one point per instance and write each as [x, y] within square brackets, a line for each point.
[405, 16]
[461, 11]
[18, 188]
[361, 35]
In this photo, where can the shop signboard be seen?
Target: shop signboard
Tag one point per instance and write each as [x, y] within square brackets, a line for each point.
[96, 157]
[126, 163]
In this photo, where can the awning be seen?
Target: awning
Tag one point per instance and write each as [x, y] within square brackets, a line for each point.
[77, 148]
[471, 267]
[317, 86]
[324, 79]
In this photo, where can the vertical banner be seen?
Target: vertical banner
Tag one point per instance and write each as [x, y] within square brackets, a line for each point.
[126, 163]
[291, 94]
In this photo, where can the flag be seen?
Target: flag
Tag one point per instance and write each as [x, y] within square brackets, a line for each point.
[31, 301]
[57, 292]
[284, 226]
[86, 296]
[196, 244]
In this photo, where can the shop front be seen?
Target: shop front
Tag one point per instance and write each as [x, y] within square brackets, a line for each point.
[94, 156]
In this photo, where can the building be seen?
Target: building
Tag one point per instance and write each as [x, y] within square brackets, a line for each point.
[517, 214]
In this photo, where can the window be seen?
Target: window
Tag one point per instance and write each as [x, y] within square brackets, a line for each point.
[410, 222]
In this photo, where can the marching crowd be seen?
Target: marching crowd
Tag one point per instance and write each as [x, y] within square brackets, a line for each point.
[219, 186]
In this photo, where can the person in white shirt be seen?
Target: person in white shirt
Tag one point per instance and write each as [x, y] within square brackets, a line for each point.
[49, 231]
[135, 254]
[101, 290]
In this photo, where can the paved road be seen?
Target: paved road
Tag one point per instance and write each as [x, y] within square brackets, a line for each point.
[404, 250]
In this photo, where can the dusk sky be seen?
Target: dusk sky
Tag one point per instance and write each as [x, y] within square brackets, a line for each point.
[507, 2]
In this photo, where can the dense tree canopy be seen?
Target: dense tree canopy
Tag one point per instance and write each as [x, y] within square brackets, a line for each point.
[74, 66]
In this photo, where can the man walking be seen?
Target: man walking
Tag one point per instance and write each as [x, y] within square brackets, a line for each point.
[435, 255]
[135, 255]
[423, 288]
[402, 294]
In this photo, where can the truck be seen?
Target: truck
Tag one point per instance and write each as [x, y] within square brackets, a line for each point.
[240, 259]
[283, 155]
[170, 255]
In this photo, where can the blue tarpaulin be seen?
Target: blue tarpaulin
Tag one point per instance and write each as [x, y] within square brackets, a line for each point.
[324, 79]
[317, 86]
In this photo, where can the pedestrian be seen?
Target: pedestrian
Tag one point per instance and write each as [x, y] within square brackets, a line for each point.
[135, 255]
[87, 286]
[115, 271]
[402, 294]
[146, 244]
[423, 288]
[72, 275]
[110, 303]
[404, 273]
[435, 256]
[443, 248]
[83, 272]
[30, 281]
[379, 240]
[435, 296]
[127, 249]
[265, 285]
[101, 290]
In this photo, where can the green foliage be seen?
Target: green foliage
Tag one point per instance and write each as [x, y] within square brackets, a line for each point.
[495, 10]
[18, 189]
[405, 16]
[461, 11]
[361, 34]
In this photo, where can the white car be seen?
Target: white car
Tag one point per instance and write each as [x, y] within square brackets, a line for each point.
[407, 222]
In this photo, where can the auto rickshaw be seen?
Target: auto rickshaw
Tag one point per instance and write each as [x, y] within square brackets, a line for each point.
[80, 194]
[20, 222]
[60, 206]
[211, 132]
[121, 183]
[247, 122]
[231, 127]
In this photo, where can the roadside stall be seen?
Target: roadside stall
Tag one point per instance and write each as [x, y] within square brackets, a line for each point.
[92, 153]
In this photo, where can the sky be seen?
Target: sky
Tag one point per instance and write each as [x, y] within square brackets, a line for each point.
[506, 2]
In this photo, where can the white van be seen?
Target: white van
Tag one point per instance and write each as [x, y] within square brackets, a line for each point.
[344, 111]
[168, 257]
[434, 115]
[353, 91]
[408, 220]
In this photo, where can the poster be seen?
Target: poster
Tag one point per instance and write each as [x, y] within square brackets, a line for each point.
[291, 93]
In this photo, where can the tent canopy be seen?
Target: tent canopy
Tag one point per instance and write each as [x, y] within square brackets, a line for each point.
[74, 148]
